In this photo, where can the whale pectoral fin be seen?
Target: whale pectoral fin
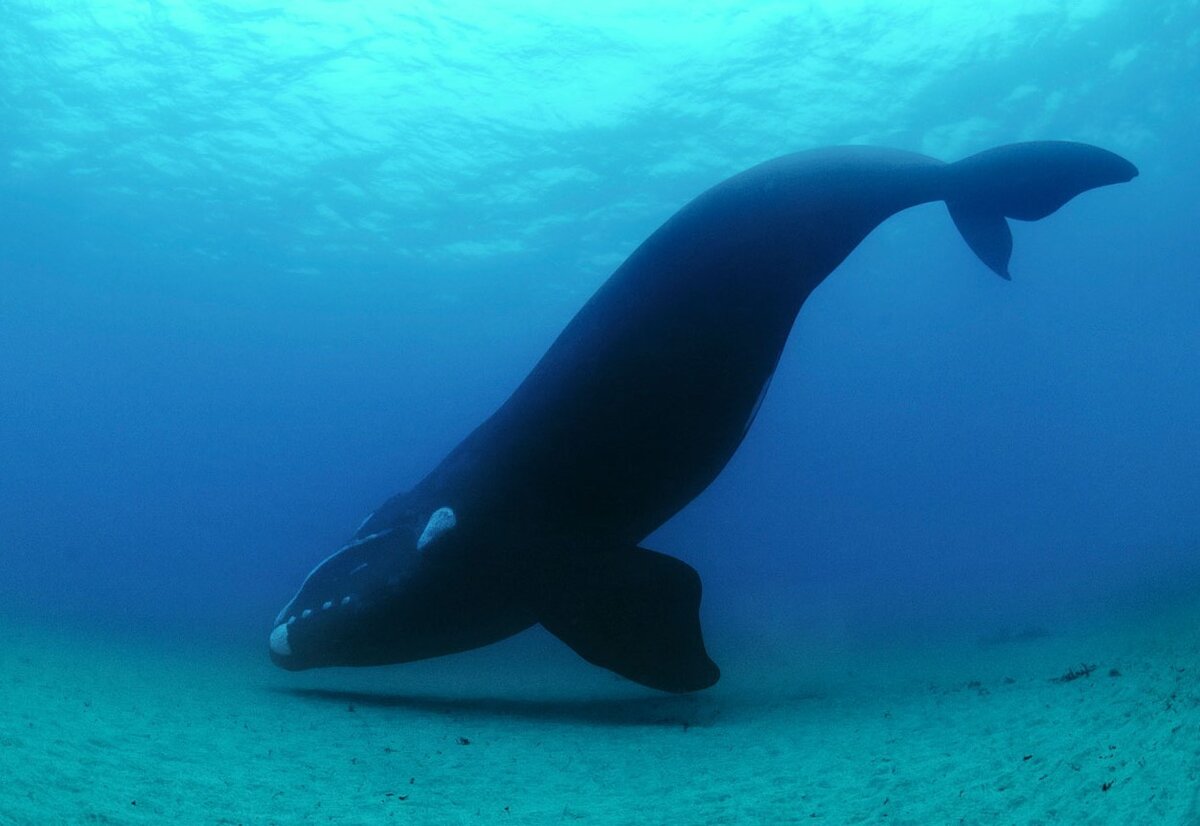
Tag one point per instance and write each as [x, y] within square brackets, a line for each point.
[986, 233]
[632, 611]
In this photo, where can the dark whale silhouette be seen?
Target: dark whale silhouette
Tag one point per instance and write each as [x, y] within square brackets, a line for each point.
[536, 516]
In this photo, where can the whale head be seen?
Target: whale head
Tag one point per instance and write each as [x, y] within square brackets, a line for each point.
[336, 616]
[406, 592]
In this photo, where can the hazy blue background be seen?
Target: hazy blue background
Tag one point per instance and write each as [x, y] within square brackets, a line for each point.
[262, 264]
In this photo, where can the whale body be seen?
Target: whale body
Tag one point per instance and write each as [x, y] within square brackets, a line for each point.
[536, 516]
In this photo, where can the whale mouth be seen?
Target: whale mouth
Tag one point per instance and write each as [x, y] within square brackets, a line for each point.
[296, 640]
[283, 639]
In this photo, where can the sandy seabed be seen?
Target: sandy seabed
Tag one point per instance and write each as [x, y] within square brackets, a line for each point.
[120, 730]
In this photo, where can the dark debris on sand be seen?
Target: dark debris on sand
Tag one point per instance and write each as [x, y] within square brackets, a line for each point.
[1072, 674]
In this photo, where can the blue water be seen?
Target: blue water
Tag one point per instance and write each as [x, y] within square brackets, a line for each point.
[262, 265]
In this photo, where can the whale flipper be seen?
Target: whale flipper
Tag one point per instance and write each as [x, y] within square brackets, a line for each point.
[632, 611]
[1025, 181]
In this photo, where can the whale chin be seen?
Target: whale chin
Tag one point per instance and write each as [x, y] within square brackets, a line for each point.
[281, 650]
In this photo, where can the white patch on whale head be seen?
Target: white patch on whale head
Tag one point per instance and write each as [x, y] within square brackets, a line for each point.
[363, 524]
[442, 520]
[279, 641]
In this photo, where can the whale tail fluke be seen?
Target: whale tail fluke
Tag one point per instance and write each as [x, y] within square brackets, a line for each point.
[632, 611]
[1024, 181]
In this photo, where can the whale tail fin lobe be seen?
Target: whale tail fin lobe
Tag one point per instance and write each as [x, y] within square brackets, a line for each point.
[1026, 182]
[986, 233]
[632, 611]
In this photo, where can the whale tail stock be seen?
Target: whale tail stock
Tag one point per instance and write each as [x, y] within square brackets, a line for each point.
[1025, 181]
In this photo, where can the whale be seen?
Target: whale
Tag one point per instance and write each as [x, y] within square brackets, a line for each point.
[540, 514]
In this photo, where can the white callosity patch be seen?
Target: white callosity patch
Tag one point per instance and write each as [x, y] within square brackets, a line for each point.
[363, 524]
[279, 641]
[442, 520]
